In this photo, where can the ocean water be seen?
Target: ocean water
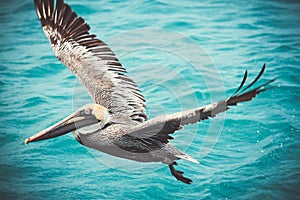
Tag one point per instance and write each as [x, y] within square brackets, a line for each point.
[183, 54]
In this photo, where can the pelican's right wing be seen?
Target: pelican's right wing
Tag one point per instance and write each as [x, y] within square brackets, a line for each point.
[90, 59]
[160, 128]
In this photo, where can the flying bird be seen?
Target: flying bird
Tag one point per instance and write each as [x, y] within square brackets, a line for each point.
[116, 122]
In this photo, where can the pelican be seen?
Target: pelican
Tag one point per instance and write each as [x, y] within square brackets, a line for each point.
[116, 122]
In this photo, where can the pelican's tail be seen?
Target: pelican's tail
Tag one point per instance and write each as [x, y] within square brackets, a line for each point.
[186, 157]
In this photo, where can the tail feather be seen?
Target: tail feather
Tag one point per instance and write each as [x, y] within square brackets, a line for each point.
[187, 157]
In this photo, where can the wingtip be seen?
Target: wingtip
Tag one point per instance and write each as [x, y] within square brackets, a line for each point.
[242, 83]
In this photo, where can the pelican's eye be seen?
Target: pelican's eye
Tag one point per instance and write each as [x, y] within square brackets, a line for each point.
[86, 111]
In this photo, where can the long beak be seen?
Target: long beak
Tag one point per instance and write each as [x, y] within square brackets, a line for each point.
[70, 123]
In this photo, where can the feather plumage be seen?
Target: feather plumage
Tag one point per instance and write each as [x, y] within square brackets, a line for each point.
[160, 128]
[90, 59]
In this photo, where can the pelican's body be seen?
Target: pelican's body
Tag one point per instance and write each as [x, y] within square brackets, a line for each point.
[113, 140]
[116, 123]
[104, 140]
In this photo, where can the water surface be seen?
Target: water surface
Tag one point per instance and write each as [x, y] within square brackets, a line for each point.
[257, 151]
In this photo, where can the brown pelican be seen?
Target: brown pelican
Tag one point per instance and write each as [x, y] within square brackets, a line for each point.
[116, 122]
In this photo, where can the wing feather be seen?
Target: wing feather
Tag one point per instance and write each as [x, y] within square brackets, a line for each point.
[90, 59]
[160, 128]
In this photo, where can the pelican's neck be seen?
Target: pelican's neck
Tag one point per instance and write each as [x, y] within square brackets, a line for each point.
[101, 114]
[85, 131]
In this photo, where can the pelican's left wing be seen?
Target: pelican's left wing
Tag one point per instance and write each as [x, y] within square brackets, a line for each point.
[90, 59]
[159, 128]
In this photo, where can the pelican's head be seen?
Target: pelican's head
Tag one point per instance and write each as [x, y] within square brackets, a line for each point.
[89, 118]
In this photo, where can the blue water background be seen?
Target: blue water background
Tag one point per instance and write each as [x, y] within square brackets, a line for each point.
[257, 155]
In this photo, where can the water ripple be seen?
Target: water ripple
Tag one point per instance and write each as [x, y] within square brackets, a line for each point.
[257, 153]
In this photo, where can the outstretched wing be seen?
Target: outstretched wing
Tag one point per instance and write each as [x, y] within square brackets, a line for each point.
[90, 59]
[158, 129]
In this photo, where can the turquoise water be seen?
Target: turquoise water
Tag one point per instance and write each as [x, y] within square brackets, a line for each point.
[257, 150]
